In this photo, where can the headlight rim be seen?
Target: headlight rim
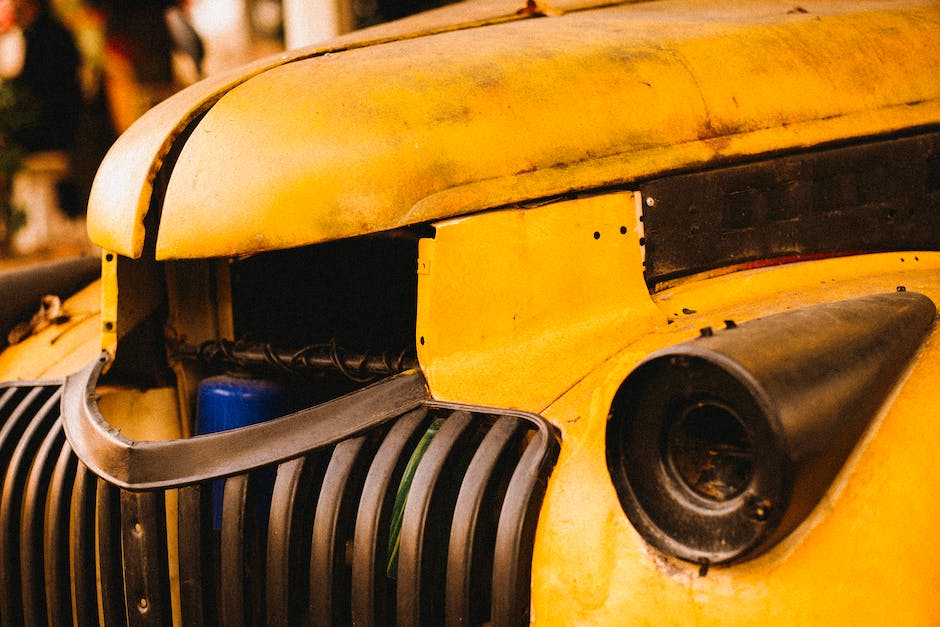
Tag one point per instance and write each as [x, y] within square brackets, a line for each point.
[727, 530]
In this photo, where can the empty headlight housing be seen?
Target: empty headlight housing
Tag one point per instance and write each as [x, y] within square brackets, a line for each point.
[720, 446]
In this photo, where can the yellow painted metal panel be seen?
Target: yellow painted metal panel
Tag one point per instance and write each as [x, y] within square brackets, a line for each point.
[379, 137]
[62, 348]
[131, 290]
[868, 552]
[492, 331]
[121, 195]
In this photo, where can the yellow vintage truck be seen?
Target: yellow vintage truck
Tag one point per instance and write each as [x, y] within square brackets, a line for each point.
[566, 312]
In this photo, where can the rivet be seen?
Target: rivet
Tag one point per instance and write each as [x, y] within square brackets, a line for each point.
[650, 201]
[761, 509]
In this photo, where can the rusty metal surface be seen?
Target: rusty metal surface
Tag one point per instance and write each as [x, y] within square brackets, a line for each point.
[375, 137]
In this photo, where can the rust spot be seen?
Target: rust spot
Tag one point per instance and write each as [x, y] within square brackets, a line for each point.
[717, 136]
[531, 9]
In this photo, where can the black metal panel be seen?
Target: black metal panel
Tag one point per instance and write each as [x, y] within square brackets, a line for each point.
[877, 196]
[311, 545]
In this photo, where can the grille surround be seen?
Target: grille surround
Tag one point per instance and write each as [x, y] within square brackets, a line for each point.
[317, 556]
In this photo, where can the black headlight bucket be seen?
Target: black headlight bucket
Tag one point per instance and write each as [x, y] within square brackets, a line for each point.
[720, 446]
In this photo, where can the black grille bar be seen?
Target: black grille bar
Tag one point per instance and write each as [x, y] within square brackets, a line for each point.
[304, 538]
[233, 602]
[472, 531]
[108, 520]
[333, 528]
[425, 525]
[146, 574]
[372, 592]
[82, 547]
[32, 547]
[56, 538]
[195, 560]
[289, 541]
[27, 424]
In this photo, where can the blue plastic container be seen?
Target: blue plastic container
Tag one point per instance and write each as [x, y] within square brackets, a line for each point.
[228, 402]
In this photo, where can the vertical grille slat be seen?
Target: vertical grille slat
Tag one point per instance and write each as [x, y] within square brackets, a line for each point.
[289, 539]
[146, 572]
[372, 591]
[7, 400]
[233, 603]
[518, 518]
[469, 565]
[32, 558]
[108, 521]
[56, 538]
[31, 421]
[333, 527]
[197, 575]
[82, 547]
[303, 539]
[426, 522]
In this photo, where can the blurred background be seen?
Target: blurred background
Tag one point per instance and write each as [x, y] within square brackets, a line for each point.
[75, 73]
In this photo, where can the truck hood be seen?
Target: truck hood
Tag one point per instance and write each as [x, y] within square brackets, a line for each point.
[481, 105]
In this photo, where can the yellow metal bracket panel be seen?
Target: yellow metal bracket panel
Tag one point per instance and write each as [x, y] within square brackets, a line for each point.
[514, 305]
